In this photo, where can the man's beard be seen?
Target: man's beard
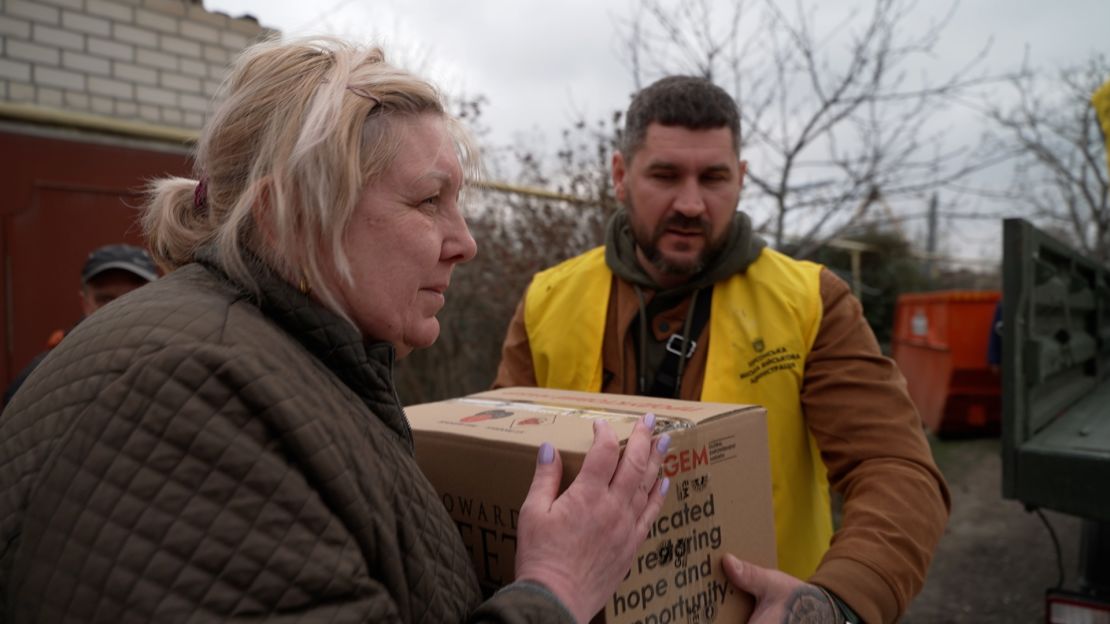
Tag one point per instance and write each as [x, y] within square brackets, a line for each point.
[649, 244]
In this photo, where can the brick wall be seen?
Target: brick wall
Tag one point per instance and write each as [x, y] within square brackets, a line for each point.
[157, 61]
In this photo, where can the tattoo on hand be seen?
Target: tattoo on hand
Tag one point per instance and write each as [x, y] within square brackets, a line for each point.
[808, 605]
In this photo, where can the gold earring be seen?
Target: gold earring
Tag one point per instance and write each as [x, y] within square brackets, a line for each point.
[304, 287]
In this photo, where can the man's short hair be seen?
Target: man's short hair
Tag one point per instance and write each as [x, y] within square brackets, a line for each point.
[684, 101]
[129, 258]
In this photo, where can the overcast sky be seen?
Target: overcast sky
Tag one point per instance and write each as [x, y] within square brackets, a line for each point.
[543, 64]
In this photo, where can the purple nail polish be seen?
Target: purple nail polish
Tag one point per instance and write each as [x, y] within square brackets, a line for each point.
[663, 444]
[649, 420]
[547, 453]
[664, 485]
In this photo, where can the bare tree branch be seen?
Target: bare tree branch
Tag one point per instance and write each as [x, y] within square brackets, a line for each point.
[1061, 171]
[834, 111]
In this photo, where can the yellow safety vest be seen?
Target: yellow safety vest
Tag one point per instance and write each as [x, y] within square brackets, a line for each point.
[762, 326]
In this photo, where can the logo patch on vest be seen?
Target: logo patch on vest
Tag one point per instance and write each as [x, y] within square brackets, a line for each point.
[767, 362]
[757, 344]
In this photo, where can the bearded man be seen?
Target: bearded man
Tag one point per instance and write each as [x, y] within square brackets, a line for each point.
[685, 301]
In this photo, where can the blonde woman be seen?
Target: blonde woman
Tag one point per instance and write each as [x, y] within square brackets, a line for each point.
[226, 443]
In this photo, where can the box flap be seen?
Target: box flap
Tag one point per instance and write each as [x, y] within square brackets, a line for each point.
[531, 416]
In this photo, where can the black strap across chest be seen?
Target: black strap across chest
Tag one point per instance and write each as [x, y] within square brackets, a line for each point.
[667, 382]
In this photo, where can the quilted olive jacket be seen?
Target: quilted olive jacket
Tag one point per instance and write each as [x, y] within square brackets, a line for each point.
[191, 453]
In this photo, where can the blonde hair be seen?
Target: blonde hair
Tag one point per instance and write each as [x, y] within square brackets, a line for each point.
[303, 127]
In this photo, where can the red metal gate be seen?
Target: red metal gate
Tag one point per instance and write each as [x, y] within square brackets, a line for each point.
[63, 198]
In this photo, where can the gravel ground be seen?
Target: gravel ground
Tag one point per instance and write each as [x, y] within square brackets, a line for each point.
[995, 560]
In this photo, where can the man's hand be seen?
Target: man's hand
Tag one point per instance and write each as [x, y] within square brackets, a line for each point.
[779, 597]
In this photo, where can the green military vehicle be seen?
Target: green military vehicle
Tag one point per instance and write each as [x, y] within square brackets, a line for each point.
[1056, 401]
[1056, 395]
[1056, 375]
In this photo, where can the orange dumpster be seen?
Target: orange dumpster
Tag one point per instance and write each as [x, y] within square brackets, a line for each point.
[940, 343]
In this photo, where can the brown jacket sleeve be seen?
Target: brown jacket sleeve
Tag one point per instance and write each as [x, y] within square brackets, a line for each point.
[896, 502]
[515, 368]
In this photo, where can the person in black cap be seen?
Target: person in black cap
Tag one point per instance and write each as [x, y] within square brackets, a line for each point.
[113, 271]
[110, 272]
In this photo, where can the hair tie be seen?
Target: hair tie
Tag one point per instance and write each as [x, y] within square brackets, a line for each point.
[200, 193]
[359, 91]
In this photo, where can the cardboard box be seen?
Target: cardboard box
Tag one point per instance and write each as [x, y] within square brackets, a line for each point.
[479, 452]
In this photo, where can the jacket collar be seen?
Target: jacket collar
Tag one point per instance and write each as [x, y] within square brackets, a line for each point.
[366, 367]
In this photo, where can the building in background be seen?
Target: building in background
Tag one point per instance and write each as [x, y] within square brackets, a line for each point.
[96, 98]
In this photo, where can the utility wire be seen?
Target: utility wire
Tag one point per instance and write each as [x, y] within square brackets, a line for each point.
[1055, 544]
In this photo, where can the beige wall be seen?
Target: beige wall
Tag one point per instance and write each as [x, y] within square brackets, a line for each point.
[156, 61]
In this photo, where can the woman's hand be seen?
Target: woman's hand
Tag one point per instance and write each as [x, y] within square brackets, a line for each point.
[581, 544]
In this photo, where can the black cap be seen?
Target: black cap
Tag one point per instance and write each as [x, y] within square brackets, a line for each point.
[121, 257]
